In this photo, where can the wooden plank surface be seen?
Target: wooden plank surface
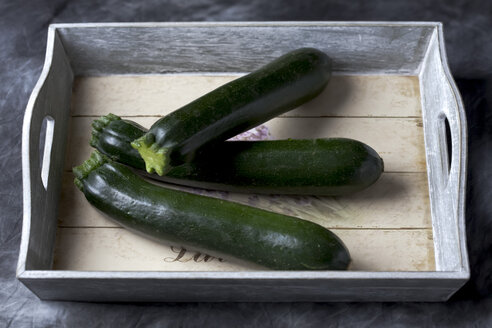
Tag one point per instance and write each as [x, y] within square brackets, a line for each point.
[118, 249]
[396, 201]
[154, 95]
[386, 227]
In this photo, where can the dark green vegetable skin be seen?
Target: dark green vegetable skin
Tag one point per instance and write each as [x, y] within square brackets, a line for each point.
[211, 225]
[235, 107]
[310, 167]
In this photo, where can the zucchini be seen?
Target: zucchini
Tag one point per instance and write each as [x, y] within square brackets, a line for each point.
[310, 167]
[211, 225]
[235, 107]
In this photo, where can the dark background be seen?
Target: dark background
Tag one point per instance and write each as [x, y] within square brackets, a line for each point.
[468, 34]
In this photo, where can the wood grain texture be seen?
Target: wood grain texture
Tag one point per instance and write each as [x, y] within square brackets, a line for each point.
[235, 47]
[152, 286]
[158, 95]
[396, 201]
[41, 198]
[382, 111]
[447, 159]
[96, 249]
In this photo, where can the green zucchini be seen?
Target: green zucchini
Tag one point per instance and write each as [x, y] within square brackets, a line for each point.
[211, 225]
[310, 167]
[235, 107]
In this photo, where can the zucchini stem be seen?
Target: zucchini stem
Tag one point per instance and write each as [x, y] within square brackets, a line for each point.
[98, 125]
[82, 171]
[155, 157]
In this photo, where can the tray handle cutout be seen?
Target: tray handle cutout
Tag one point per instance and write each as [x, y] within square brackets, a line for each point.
[45, 146]
[445, 147]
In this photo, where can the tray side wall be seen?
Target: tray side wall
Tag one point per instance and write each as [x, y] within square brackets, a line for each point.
[50, 100]
[242, 290]
[229, 47]
[446, 171]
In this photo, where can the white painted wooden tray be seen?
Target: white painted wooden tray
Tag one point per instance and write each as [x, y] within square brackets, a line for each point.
[392, 90]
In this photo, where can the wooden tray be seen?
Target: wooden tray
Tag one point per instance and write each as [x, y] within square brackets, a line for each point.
[404, 244]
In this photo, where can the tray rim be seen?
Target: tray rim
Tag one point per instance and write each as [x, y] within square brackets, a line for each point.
[432, 24]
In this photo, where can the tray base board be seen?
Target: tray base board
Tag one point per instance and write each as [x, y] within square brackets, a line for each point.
[386, 227]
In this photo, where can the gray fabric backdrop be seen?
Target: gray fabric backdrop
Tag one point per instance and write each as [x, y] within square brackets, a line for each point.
[468, 30]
